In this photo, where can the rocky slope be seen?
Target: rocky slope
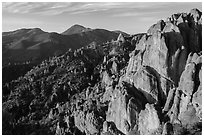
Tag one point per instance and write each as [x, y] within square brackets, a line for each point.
[142, 84]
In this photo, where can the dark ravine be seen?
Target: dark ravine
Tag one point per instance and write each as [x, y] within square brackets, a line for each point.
[142, 84]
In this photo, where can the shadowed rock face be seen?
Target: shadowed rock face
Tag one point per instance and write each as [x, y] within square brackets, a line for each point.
[142, 84]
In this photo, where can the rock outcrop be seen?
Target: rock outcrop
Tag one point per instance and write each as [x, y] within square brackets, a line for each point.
[87, 122]
[124, 108]
[149, 122]
[121, 38]
[165, 66]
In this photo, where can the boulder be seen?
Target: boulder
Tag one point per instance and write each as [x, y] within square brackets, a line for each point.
[189, 117]
[149, 121]
[114, 68]
[89, 123]
[93, 124]
[106, 79]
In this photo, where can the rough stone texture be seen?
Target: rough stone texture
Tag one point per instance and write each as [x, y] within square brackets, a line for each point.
[136, 38]
[169, 27]
[154, 86]
[109, 128]
[169, 100]
[87, 122]
[147, 83]
[92, 123]
[156, 27]
[174, 111]
[190, 84]
[106, 79]
[142, 43]
[165, 44]
[197, 101]
[169, 43]
[114, 68]
[188, 117]
[194, 58]
[108, 94]
[156, 49]
[197, 97]
[186, 83]
[134, 63]
[124, 108]
[148, 120]
[187, 109]
[121, 38]
[79, 119]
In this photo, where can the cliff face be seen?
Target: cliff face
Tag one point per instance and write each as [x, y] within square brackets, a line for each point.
[143, 84]
[165, 67]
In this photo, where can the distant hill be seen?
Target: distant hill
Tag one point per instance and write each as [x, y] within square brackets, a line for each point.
[24, 48]
[34, 45]
[75, 29]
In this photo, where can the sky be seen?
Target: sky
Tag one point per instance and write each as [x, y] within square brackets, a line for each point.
[130, 17]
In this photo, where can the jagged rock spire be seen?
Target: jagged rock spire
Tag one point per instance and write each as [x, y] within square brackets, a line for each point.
[121, 38]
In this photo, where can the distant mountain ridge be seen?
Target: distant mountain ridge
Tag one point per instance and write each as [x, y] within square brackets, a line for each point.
[24, 48]
[35, 44]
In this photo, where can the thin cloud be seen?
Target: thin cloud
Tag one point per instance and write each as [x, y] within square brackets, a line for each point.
[137, 14]
[98, 14]
[54, 8]
[147, 19]
[16, 23]
[21, 21]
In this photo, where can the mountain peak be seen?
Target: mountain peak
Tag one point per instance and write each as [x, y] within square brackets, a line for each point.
[78, 26]
[75, 29]
[35, 30]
